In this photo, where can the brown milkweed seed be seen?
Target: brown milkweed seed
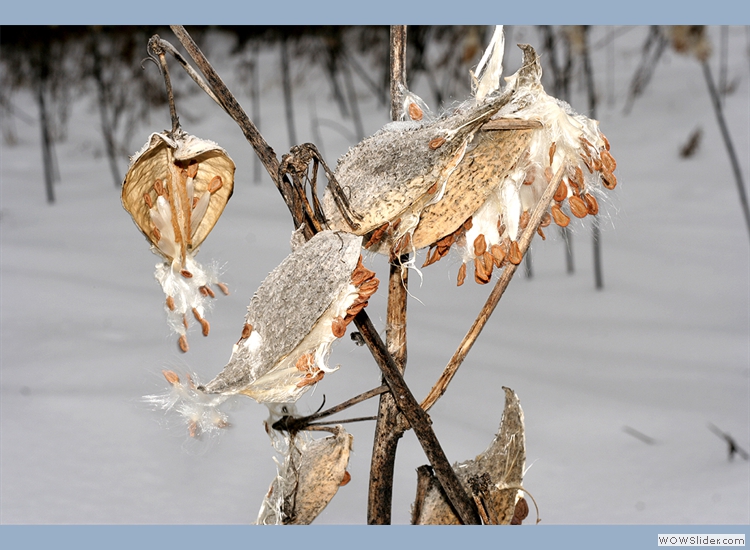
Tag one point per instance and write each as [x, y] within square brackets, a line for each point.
[195, 202]
[530, 176]
[562, 191]
[224, 288]
[432, 190]
[488, 262]
[192, 170]
[148, 201]
[183, 344]
[305, 362]
[437, 142]
[480, 245]
[185, 273]
[552, 149]
[559, 216]
[574, 188]
[205, 327]
[546, 220]
[159, 187]
[548, 174]
[347, 476]
[377, 235]
[197, 315]
[498, 254]
[157, 234]
[541, 233]
[514, 254]
[468, 224]
[578, 207]
[606, 142]
[461, 275]
[591, 205]
[193, 429]
[215, 184]
[415, 113]
[170, 303]
[247, 330]
[608, 161]
[524, 219]
[480, 274]
[609, 180]
[171, 377]
[338, 327]
[577, 177]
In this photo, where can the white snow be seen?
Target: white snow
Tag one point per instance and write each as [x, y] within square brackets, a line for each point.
[664, 349]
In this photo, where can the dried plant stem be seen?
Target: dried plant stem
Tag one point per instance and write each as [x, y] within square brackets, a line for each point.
[387, 430]
[232, 107]
[419, 421]
[155, 49]
[716, 100]
[497, 292]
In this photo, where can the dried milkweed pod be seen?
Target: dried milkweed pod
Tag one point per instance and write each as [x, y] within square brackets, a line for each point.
[564, 140]
[307, 480]
[500, 468]
[388, 179]
[297, 312]
[176, 188]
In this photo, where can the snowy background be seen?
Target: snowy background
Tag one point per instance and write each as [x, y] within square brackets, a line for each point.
[664, 349]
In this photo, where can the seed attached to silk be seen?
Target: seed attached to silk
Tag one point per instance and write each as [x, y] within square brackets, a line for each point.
[338, 327]
[183, 344]
[562, 192]
[437, 142]
[247, 330]
[415, 113]
[480, 245]
[215, 184]
[498, 254]
[171, 377]
[461, 275]
[559, 216]
[170, 303]
[578, 207]
[591, 204]
[514, 254]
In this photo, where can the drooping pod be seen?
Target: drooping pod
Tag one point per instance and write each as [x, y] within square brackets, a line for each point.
[175, 190]
[307, 480]
[294, 317]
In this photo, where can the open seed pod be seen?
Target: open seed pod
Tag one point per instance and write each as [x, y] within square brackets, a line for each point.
[310, 476]
[294, 317]
[175, 190]
[566, 140]
[494, 478]
[388, 179]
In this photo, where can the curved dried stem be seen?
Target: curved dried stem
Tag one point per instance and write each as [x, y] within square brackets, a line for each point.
[156, 51]
[497, 292]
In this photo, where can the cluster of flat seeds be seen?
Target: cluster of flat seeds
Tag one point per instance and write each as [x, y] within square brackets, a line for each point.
[175, 190]
[293, 319]
[488, 237]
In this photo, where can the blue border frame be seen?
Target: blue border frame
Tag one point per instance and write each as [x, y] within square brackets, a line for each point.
[581, 537]
[341, 12]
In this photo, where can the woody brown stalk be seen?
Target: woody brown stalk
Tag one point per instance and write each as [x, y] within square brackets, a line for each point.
[497, 292]
[387, 430]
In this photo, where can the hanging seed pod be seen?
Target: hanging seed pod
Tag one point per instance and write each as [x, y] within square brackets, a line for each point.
[310, 476]
[299, 309]
[172, 194]
[163, 169]
[501, 467]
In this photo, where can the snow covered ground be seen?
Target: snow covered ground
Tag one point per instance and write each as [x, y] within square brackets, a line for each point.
[663, 350]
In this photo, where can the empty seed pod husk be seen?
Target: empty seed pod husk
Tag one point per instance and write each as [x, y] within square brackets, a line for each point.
[175, 190]
[307, 480]
[294, 313]
[502, 464]
[167, 159]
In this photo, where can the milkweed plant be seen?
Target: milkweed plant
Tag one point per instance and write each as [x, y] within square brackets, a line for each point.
[480, 179]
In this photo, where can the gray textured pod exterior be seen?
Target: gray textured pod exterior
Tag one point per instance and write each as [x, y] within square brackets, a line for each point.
[284, 311]
[503, 461]
[308, 479]
[386, 174]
